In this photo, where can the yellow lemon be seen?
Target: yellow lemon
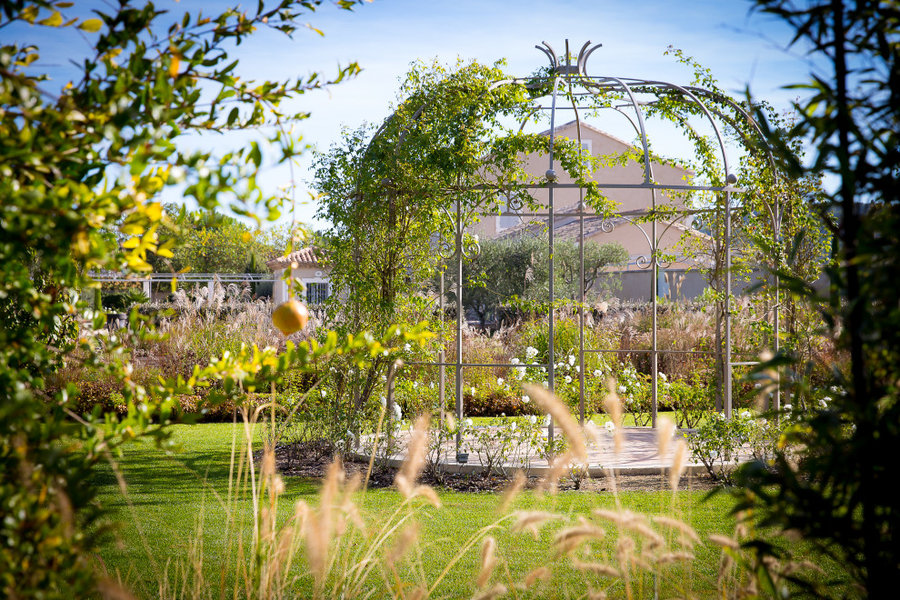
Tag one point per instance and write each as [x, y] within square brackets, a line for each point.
[290, 317]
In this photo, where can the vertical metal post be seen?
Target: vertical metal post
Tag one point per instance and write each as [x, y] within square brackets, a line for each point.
[777, 316]
[459, 317]
[442, 355]
[654, 339]
[728, 367]
[581, 292]
[551, 181]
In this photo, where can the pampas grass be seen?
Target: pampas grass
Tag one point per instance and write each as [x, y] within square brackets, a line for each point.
[332, 547]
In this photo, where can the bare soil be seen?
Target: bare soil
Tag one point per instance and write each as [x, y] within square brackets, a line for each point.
[312, 460]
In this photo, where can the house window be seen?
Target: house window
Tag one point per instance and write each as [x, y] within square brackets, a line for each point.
[316, 293]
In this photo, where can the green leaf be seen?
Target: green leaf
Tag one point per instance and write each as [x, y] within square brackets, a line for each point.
[90, 25]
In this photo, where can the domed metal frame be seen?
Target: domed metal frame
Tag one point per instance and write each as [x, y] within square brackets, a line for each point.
[561, 78]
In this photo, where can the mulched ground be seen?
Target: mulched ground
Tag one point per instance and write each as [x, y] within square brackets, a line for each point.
[312, 460]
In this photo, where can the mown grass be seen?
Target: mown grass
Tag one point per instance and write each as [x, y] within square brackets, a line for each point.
[176, 501]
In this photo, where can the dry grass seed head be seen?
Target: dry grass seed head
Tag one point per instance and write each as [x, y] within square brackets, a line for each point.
[402, 544]
[610, 515]
[561, 414]
[518, 482]
[678, 525]
[613, 406]
[415, 457]
[652, 539]
[539, 574]
[594, 567]
[596, 594]
[558, 466]
[671, 557]
[495, 591]
[531, 521]
[570, 538]
[665, 429]
[488, 560]
[625, 550]
[427, 492]
[724, 541]
[679, 461]
[591, 433]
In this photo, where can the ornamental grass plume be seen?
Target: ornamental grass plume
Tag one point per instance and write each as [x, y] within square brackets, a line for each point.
[488, 560]
[568, 539]
[613, 406]
[414, 463]
[535, 575]
[509, 495]
[679, 462]
[531, 520]
[561, 414]
[688, 535]
[665, 429]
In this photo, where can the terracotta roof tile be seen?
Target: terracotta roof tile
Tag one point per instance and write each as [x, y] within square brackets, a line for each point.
[304, 257]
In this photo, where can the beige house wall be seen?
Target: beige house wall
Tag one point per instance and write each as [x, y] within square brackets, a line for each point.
[628, 200]
[303, 275]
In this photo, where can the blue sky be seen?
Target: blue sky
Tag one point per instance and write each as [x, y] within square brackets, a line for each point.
[385, 36]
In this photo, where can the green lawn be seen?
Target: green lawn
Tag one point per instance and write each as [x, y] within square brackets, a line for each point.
[176, 501]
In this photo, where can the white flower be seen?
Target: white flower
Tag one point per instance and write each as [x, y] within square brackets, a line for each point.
[745, 414]
[520, 373]
[622, 389]
[788, 407]
[500, 381]
[721, 416]
[513, 426]
[824, 402]
[530, 352]
[762, 422]
[598, 373]
[323, 393]
[415, 384]
[467, 423]
[525, 399]
[663, 376]
[472, 390]
[571, 360]
[407, 347]
[610, 426]
[547, 421]
[431, 385]
[568, 379]
[514, 361]
[546, 383]
[531, 418]
[398, 413]
[578, 368]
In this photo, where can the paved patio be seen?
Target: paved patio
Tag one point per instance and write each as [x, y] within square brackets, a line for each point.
[639, 456]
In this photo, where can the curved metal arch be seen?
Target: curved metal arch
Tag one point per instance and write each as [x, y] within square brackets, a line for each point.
[630, 90]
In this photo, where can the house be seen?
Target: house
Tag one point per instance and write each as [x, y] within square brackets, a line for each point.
[679, 278]
[672, 235]
[305, 270]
